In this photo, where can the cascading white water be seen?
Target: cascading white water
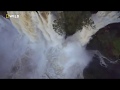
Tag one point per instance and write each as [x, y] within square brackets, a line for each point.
[47, 54]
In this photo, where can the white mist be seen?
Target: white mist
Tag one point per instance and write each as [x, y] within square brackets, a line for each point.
[39, 52]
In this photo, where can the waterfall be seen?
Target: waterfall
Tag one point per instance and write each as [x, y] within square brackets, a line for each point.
[41, 52]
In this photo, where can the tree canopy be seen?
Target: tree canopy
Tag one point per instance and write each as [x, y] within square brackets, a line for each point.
[69, 22]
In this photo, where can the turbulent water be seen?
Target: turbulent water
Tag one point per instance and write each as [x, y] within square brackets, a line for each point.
[30, 48]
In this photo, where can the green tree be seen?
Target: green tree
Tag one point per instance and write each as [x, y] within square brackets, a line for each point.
[69, 22]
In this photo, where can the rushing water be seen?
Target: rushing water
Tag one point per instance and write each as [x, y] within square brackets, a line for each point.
[37, 51]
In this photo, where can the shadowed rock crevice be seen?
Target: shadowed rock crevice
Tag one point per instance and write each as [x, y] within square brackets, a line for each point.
[3, 13]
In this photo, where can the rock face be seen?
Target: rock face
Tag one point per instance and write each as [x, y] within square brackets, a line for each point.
[107, 41]
[3, 13]
[96, 71]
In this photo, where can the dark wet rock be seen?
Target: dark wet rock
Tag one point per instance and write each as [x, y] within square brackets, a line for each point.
[107, 41]
[3, 13]
[96, 71]
[93, 12]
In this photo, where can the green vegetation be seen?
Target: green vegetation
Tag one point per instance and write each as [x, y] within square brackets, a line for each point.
[108, 43]
[116, 50]
[71, 21]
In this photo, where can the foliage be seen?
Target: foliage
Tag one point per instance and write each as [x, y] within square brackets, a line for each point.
[116, 44]
[71, 21]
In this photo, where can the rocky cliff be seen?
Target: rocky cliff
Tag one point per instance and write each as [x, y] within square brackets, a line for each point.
[107, 41]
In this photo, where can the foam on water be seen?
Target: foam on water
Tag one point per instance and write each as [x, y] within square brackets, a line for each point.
[41, 52]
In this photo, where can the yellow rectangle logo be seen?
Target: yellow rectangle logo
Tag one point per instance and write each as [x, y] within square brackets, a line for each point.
[12, 16]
